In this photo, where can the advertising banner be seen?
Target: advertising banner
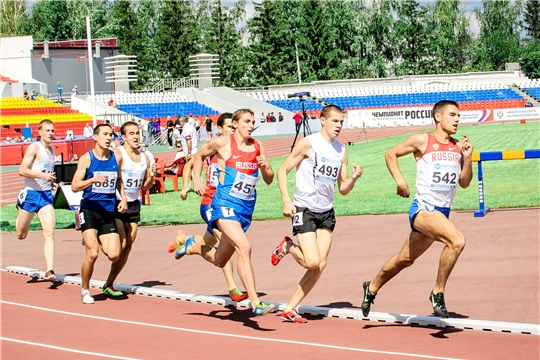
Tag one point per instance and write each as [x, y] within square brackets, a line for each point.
[516, 114]
[423, 116]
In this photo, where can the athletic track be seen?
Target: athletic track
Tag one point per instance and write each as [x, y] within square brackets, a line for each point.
[495, 280]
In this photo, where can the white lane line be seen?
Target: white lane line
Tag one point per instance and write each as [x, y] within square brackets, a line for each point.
[228, 335]
[65, 349]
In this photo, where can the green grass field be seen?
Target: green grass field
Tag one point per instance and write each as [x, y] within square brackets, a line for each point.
[508, 184]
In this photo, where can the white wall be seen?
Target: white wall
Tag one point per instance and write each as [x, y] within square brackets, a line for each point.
[15, 60]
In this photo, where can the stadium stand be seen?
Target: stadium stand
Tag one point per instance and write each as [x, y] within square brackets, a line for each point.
[16, 112]
[471, 96]
[530, 86]
[148, 105]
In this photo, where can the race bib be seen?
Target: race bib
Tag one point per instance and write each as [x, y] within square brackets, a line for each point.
[133, 180]
[227, 211]
[244, 186]
[22, 196]
[208, 214]
[214, 175]
[298, 219]
[108, 186]
[444, 178]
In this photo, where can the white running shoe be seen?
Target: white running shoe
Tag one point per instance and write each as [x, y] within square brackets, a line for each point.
[85, 297]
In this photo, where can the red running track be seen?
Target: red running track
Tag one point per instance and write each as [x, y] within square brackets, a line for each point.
[496, 279]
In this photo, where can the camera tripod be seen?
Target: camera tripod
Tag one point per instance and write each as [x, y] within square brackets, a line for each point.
[303, 124]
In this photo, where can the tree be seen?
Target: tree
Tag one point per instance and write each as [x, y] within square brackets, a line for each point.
[12, 17]
[531, 19]
[411, 38]
[450, 41]
[271, 46]
[221, 37]
[177, 37]
[498, 41]
[47, 21]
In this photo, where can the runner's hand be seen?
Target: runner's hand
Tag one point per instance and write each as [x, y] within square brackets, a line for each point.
[183, 194]
[466, 146]
[403, 190]
[289, 210]
[357, 171]
[50, 177]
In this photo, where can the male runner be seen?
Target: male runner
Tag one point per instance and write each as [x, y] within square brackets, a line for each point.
[37, 168]
[442, 163]
[98, 175]
[137, 173]
[239, 158]
[212, 236]
[320, 161]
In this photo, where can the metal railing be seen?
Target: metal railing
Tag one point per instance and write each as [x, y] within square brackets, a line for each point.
[171, 84]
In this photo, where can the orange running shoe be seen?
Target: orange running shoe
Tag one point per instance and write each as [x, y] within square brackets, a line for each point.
[237, 295]
[176, 243]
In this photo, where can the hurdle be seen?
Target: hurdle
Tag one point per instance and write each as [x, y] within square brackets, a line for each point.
[497, 155]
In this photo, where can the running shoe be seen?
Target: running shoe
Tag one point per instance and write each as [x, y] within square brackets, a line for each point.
[111, 291]
[279, 252]
[85, 297]
[262, 309]
[292, 316]
[176, 243]
[50, 275]
[368, 299]
[181, 251]
[439, 307]
[237, 295]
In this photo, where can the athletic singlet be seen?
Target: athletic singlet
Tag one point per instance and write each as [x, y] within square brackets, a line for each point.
[212, 173]
[43, 165]
[438, 172]
[132, 174]
[101, 196]
[237, 181]
[316, 175]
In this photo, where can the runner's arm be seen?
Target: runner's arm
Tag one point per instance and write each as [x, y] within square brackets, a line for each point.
[78, 183]
[26, 163]
[415, 143]
[212, 148]
[301, 150]
[346, 184]
[149, 174]
[466, 162]
[266, 169]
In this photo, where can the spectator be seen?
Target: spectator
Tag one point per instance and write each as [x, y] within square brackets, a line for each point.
[297, 120]
[177, 132]
[88, 132]
[177, 121]
[170, 128]
[179, 154]
[112, 103]
[33, 95]
[198, 128]
[280, 117]
[272, 117]
[191, 121]
[70, 136]
[209, 125]
[263, 117]
[26, 96]
[60, 89]
[75, 91]
[157, 126]
[149, 130]
[269, 118]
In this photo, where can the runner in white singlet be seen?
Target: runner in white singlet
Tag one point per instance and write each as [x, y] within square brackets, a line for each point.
[36, 197]
[442, 164]
[320, 162]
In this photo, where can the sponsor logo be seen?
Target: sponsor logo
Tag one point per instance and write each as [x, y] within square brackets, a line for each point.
[236, 156]
[437, 166]
[323, 159]
[452, 148]
[436, 146]
[500, 114]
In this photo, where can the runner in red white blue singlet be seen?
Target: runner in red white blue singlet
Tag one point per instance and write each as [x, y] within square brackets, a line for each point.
[442, 164]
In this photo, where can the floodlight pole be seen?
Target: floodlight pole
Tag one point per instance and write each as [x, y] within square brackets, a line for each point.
[297, 58]
[91, 70]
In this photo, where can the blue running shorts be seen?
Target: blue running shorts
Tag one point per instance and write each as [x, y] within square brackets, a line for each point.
[418, 205]
[33, 200]
[206, 215]
[229, 213]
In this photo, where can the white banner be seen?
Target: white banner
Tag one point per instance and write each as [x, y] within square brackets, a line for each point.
[411, 116]
[516, 114]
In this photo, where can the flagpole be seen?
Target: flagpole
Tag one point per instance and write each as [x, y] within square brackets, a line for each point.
[91, 70]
